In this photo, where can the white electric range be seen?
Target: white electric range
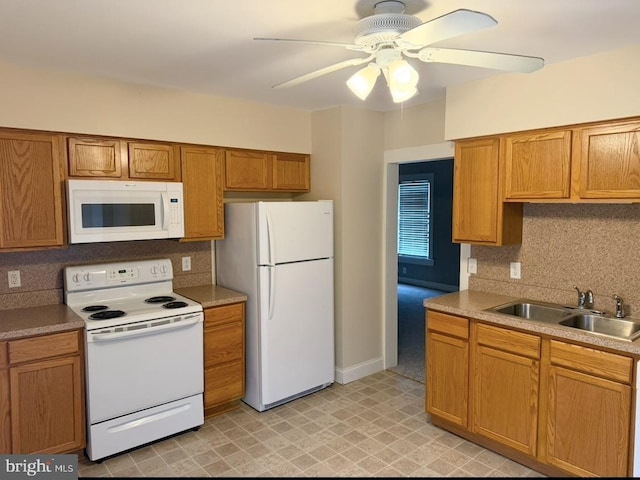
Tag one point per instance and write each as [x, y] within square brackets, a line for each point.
[144, 353]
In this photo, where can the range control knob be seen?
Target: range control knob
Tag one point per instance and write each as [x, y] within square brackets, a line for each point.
[154, 270]
[87, 277]
[76, 278]
[163, 269]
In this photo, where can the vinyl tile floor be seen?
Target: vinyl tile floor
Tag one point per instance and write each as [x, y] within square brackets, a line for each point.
[373, 427]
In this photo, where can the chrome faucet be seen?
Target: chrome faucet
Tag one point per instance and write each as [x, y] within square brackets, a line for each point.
[619, 306]
[585, 299]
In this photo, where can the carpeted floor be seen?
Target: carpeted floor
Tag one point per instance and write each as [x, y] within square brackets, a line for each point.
[411, 341]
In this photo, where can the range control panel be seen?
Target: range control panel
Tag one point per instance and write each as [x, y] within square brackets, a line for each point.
[90, 277]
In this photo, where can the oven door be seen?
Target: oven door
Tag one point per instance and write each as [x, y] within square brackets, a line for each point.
[142, 365]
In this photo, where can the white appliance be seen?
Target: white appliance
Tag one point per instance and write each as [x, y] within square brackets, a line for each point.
[144, 353]
[281, 255]
[115, 210]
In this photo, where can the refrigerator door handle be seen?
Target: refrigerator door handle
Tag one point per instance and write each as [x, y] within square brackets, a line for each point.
[270, 238]
[272, 291]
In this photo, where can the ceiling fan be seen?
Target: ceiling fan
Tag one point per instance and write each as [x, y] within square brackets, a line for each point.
[389, 35]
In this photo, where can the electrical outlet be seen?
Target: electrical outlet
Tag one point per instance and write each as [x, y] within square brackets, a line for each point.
[472, 265]
[14, 279]
[515, 270]
[186, 264]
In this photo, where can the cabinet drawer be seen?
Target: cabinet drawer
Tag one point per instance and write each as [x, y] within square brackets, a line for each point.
[223, 343]
[509, 340]
[591, 361]
[449, 324]
[223, 314]
[46, 346]
[224, 383]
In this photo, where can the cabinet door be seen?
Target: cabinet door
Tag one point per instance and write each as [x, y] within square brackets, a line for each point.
[95, 157]
[505, 398]
[47, 415]
[247, 170]
[5, 402]
[447, 372]
[609, 158]
[538, 165]
[479, 215]
[30, 190]
[291, 172]
[148, 160]
[202, 171]
[588, 424]
[223, 384]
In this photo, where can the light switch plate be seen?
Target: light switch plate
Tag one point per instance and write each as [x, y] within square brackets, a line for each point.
[515, 270]
[186, 264]
[472, 265]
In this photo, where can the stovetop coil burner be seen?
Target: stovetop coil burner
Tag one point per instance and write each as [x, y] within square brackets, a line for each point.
[160, 299]
[107, 314]
[94, 308]
[175, 304]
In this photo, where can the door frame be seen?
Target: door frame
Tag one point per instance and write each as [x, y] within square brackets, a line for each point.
[392, 158]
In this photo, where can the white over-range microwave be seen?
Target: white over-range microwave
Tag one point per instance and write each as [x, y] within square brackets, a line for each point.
[114, 210]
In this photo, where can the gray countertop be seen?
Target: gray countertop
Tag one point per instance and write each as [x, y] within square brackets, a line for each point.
[212, 295]
[31, 321]
[472, 304]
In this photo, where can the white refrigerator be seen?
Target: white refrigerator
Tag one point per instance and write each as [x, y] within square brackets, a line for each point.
[280, 254]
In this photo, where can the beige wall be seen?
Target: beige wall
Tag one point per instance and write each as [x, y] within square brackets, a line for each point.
[348, 148]
[597, 87]
[37, 99]
[414, 127]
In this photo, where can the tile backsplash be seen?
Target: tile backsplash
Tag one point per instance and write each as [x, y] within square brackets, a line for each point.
[41, 270]
[593, 246]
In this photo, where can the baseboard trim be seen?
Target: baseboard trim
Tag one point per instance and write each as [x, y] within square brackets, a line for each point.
[361, 370]
[425, 284]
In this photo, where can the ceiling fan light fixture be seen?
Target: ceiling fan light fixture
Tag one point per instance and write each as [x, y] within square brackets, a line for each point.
[402, 79]
[362, 82]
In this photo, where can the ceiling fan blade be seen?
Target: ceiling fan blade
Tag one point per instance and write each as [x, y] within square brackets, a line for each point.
[447, 26]
[499, 61]
[348, 46]
[323, 71]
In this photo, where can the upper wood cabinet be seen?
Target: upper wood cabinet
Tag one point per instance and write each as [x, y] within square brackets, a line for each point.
[257, 171]
[119, 158]
[537, 165]
[31, 175]
[479, 214]
[202, 174]
[607, 159]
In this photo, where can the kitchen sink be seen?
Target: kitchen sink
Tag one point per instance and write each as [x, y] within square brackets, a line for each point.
[538, 311]
[611, 327]
[590, 321]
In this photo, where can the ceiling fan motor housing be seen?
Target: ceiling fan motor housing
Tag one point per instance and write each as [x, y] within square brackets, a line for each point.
[387, 22]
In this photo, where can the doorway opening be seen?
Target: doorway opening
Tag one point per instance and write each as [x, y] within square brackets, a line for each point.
[428, 262]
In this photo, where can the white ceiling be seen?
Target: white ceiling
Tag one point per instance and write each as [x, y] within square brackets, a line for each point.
[207, 45]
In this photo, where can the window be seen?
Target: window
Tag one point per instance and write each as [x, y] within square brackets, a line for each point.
[414, 219]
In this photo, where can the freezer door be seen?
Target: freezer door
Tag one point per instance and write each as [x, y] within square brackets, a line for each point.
[294, 231]
[297, 331]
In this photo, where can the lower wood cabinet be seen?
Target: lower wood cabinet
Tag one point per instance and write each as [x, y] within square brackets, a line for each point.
[42, 396]
[558, 407]
[223, 358]
[505, 374]
[447, 369]
[589, 411]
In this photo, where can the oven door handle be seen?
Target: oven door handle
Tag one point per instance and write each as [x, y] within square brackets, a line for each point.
[140, 332]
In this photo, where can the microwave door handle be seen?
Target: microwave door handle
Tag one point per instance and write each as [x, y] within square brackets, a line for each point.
[165, 210]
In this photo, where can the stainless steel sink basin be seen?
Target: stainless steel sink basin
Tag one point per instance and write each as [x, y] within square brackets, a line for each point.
[590, 321]
[611, 327]
[538, 311]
